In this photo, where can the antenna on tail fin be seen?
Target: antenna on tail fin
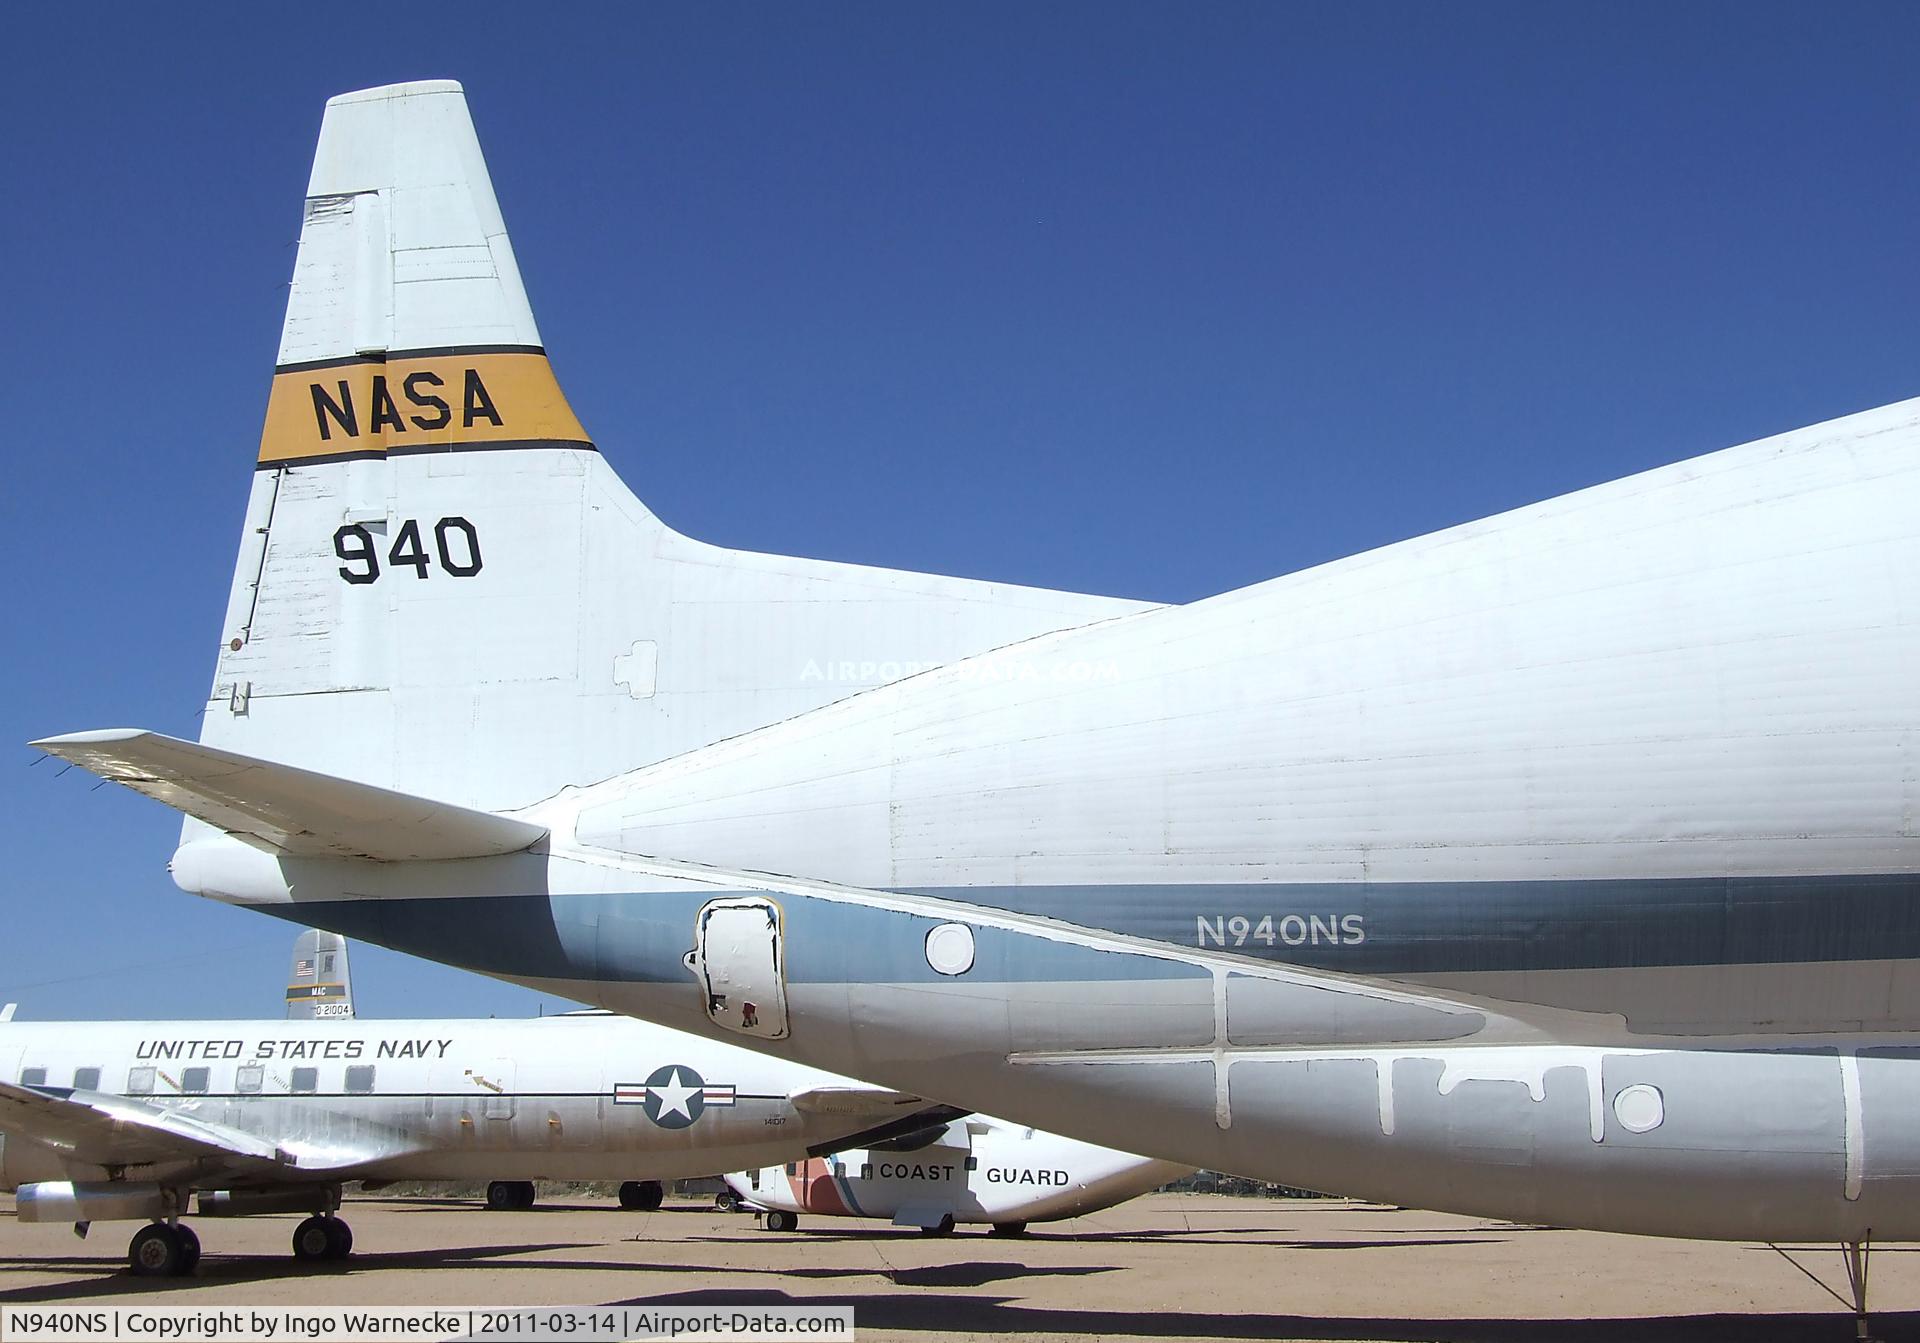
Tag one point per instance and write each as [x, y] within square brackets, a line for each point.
[319, 985]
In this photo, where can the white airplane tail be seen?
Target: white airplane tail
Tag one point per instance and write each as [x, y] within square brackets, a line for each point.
[319, 983]
[443, 588]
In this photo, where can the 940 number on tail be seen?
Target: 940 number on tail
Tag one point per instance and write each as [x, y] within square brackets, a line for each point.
[456, 543]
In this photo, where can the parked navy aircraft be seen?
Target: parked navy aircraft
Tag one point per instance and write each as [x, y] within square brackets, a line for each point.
[1562, 866]
[103, 1121]
[976, 1169]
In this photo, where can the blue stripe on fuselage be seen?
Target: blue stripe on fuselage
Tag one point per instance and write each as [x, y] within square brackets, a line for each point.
[641, 938]
[1376, 929]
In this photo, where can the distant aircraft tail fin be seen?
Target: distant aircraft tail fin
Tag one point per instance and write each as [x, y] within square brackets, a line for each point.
[319, 984]
[442, 587]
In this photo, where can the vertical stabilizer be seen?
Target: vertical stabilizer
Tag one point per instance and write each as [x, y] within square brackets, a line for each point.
[442, 587]
[319, 984]
[407, 327]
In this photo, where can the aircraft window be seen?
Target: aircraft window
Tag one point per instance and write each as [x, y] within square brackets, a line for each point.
[973, 1163]
[86, 1079]
[250, 1078]
[790, 1168]
[194, 1080]
[753, 1178]
[866, 1170]
[33, 1077]
[139, 1081]
[360, 1079]
[306, 1080]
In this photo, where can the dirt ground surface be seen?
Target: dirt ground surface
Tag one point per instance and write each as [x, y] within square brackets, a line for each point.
[1169, 1266]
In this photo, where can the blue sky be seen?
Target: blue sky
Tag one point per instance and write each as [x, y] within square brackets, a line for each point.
[1154, 300]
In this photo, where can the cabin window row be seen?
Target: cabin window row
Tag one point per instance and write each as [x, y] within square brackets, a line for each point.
[248, 1079]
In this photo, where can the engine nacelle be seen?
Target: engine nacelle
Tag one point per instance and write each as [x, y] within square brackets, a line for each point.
[102, 1201]
[248, 1202]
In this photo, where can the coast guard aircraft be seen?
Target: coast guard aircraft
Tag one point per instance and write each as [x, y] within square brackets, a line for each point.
[1563, 866]
[105, 1121]
[975, 1169]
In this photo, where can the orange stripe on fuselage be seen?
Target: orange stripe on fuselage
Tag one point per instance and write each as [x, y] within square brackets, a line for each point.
[815, 1190]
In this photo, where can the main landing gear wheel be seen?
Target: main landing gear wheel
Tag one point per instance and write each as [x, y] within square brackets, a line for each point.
[190, 1245]
[510, 1195]
[160, 1251]
[1009, 1229]
[322, 1238]
[944, 1227]
[642, 1195]
[779, 1219]
[726, 1201]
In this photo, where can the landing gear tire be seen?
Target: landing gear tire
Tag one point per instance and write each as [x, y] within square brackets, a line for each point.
[779, 1219]
[1009, 1229]
[510, 1195]
[322, 1238]
[157, 1251]
[726, 1201]
[190, 1245]
[642, 1195]
[944, 1227]
[312, 1240]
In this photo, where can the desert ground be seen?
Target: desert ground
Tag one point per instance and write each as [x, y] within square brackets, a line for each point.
[1169, 1266]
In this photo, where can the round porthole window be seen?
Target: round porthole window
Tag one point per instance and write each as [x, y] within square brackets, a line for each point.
[1639, 1108]
[950, 948]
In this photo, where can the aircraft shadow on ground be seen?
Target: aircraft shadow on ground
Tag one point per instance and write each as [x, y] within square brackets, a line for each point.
[1282, 1242]
[109, 1279]
[476, 1205]
[113, 1279]
[939, 1314]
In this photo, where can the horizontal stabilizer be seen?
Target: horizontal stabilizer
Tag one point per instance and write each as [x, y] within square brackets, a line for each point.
[290, 810]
